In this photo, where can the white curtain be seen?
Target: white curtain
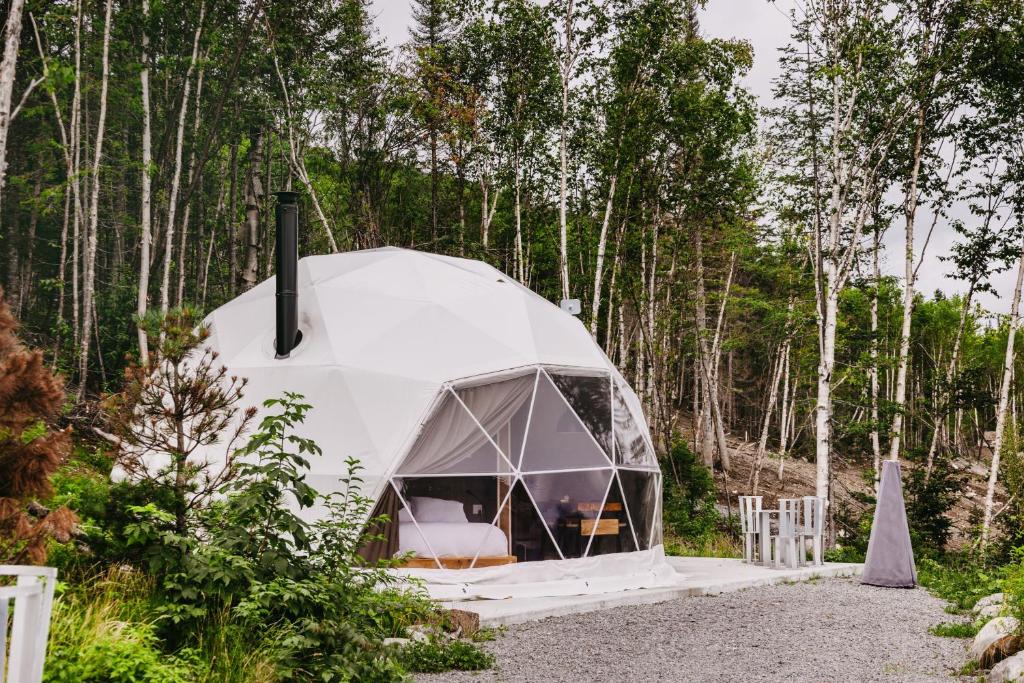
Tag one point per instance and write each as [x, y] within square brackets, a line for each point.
[452, 437]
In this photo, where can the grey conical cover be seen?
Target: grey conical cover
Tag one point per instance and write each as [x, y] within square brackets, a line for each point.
[890, 560]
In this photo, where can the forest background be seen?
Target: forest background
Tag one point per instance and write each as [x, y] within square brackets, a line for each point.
[728, 256]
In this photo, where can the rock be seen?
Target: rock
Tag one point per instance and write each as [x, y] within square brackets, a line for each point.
[990, 611]
[989, 600]
[418, 633]
[468, 623]
[396, 642]
[1010, 669]
[990, 633]
[1004, 648]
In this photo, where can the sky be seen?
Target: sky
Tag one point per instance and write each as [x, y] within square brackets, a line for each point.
[766, 26]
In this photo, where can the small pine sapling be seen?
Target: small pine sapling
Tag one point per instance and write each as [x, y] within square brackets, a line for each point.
[172, 407]
[31, 450]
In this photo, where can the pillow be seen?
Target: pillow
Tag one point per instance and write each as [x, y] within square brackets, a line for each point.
[404, 517]
[438, 510]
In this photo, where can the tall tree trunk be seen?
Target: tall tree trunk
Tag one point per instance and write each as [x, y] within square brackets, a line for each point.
[92, 230]
[172, 200]
[186, 217]
[942, 400]
[909, 211]
[12, 39]
[565, 70]
[876, 447]
[602, 242]
[520, 268]
[253, 196]
[146, 200]
[1004, 395]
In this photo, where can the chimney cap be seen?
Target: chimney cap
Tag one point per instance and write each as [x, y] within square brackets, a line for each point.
[287, 197]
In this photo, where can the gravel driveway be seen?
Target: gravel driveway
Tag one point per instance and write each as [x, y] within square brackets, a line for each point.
[827, 630]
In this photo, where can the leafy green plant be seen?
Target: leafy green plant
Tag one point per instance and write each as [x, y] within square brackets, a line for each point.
[960, 580]
[1013, 586]
[689, 494]
[437, 656]
[956, 629]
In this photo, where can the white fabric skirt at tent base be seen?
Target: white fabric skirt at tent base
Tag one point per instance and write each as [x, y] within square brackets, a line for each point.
[503, 444]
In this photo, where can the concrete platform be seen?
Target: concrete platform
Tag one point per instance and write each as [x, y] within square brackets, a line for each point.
[698, 576]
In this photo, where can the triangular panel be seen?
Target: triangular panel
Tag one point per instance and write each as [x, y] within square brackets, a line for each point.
[569, 502]
[502, 409]
[642, 495]
[591, 399]
[452, 442]
[631, 447]
[555, 438]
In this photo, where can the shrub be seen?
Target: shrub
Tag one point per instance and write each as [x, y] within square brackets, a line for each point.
[1013, 586]
[31, 450]
[434, 657]
[98, 636]
[929, 502]
[256, 562]
[688, 494]
[960, 580]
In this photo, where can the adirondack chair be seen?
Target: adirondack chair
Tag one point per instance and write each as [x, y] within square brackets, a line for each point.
[812, 526]
[750, 524]
[23, 649]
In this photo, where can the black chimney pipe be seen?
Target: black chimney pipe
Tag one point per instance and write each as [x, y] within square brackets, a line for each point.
[286, 215]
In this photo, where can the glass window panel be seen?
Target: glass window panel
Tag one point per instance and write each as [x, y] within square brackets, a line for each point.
[642, 496]
[631, 447]
[502, 408]
[566, 500]
[530, 538]
[613, 533]
[556, 439]
[498, 542]
[452, 443]
[591, 399]
[453, 515]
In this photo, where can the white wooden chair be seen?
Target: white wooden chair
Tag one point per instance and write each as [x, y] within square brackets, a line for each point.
[22, 654]
[750, 524]
[812, 527]
[784, 541]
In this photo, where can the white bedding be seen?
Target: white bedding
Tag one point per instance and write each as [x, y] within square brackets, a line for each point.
[451, 539]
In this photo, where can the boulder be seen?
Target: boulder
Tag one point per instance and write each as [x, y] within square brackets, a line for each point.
[418, 633]
[1004, 648]
[990, 611]
[463, 622]
[988, 601]
[991, 632]
[1010, 669]
[396, 642]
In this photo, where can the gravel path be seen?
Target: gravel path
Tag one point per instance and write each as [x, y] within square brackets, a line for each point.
[828, 630]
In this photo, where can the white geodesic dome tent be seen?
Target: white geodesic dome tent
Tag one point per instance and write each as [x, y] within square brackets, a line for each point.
[509, 452]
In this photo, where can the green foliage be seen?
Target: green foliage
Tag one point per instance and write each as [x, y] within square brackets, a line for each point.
[688, 494]
[434, 657]
[960, 580]
[98, 636]
[957, 629]
[257, 562]
[1013, 586]
[929, 502]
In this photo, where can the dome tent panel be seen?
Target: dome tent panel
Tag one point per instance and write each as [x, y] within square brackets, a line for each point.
[455, 514]
[569, 503]
[632, 444]
[502, 409]
[590, 396]
[642, 493]
[453, 442]
[556, 439]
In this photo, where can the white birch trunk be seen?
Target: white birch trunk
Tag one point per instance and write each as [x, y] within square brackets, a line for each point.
[602, 245]
[172, 200]
[92, 229]
[1004, 395]
[12, 39]
[146, 201]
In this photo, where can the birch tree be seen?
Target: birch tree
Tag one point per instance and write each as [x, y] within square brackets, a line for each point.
[12, 39]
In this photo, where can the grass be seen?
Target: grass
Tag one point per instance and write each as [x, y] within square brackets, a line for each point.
[713, 545]
[956, 629]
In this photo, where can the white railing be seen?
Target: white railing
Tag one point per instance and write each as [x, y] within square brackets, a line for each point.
[23, 638]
